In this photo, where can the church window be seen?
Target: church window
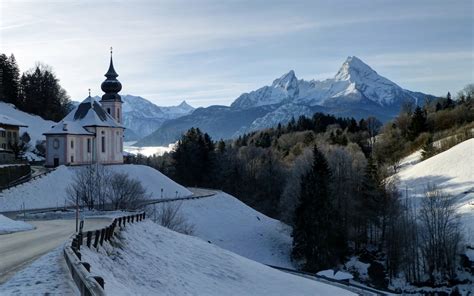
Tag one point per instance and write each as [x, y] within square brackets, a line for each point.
[103, 144]
[72, 144]
[56, 144]
[108, 110]
[72, 159]
[88, 145]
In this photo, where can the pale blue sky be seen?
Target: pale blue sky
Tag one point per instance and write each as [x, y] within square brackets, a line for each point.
[209, 52]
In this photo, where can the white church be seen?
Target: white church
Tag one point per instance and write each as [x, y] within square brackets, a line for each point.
[92, 132]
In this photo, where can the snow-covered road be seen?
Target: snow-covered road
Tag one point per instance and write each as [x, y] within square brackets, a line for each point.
[20, 249]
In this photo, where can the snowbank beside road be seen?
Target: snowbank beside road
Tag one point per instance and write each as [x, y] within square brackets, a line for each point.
[46, 276]
[9, 226]
[154, 260]
[50, 190]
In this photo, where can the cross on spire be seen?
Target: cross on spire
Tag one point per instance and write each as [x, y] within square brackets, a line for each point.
[89, 92]
[111, 51]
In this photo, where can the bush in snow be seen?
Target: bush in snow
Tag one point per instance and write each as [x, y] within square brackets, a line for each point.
[168, 214]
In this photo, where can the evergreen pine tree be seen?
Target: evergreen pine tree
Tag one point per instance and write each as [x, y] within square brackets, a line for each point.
[9, 79]
[418, 123]
[315, 236]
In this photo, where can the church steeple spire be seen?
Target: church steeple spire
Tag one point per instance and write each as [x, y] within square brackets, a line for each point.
[111, 86]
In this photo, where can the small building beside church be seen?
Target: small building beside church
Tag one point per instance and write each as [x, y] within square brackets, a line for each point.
[92, 132]
[9, 136]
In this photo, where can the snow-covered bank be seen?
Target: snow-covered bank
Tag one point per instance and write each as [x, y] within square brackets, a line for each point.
[50, 190]
[46, 276]
[9, 226]
[227, 222]
[154, 260]
[453, 172]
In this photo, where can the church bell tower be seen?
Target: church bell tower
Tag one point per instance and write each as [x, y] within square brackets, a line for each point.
[111, 101]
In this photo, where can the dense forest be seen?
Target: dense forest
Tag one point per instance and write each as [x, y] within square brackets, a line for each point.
[328, 177]
[35, 91]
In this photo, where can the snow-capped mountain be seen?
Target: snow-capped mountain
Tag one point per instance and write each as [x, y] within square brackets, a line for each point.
[141, 117]
[354, 82]
[355, 91]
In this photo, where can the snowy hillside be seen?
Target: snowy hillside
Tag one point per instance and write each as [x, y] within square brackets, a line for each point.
[50, 190]
[36, 125]
[170, 263]
[453, 172]
[230, 224]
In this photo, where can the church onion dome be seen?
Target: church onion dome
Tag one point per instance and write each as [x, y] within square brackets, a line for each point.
[111, 86]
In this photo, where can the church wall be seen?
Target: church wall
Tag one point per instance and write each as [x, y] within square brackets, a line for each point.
[78, 151]
[113, 145]
[55, 148]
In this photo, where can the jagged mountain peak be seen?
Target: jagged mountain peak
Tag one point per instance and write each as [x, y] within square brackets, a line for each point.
[353, 69]
[185, 105]
[286, 80]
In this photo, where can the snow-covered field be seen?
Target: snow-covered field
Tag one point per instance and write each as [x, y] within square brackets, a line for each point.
[50, 190]
[154, 260]
[453, 172]
[147, 151]
[36, 125]
[225, 221]
[9, 226]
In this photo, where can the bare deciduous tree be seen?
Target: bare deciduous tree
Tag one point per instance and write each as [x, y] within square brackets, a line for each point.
[440, 233]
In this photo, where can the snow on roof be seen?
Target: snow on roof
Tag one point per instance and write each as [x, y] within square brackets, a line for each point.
[87, 113]
[10, 121]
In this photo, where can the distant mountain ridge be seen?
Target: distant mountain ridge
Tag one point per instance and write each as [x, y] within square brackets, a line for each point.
[142, 117]
[355, 91]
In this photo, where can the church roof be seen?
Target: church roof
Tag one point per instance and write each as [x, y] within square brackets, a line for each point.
[89, 113]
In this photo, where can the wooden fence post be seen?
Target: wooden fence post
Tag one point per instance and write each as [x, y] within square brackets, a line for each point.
[102, 234]
[97, 236]
[89, 238]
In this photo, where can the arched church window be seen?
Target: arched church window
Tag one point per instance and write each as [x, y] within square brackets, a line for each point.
[55, 143]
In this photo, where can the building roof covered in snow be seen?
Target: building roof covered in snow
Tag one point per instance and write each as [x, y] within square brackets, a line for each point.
[89, 113]
[10, 121]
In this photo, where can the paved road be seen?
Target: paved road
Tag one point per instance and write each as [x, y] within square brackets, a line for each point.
[19, 249]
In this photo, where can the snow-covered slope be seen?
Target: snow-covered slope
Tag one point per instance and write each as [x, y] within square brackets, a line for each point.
[154, 260]
[9, 226]
[453, 172]
[50, 190]
[36, 125]
[227, 222]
